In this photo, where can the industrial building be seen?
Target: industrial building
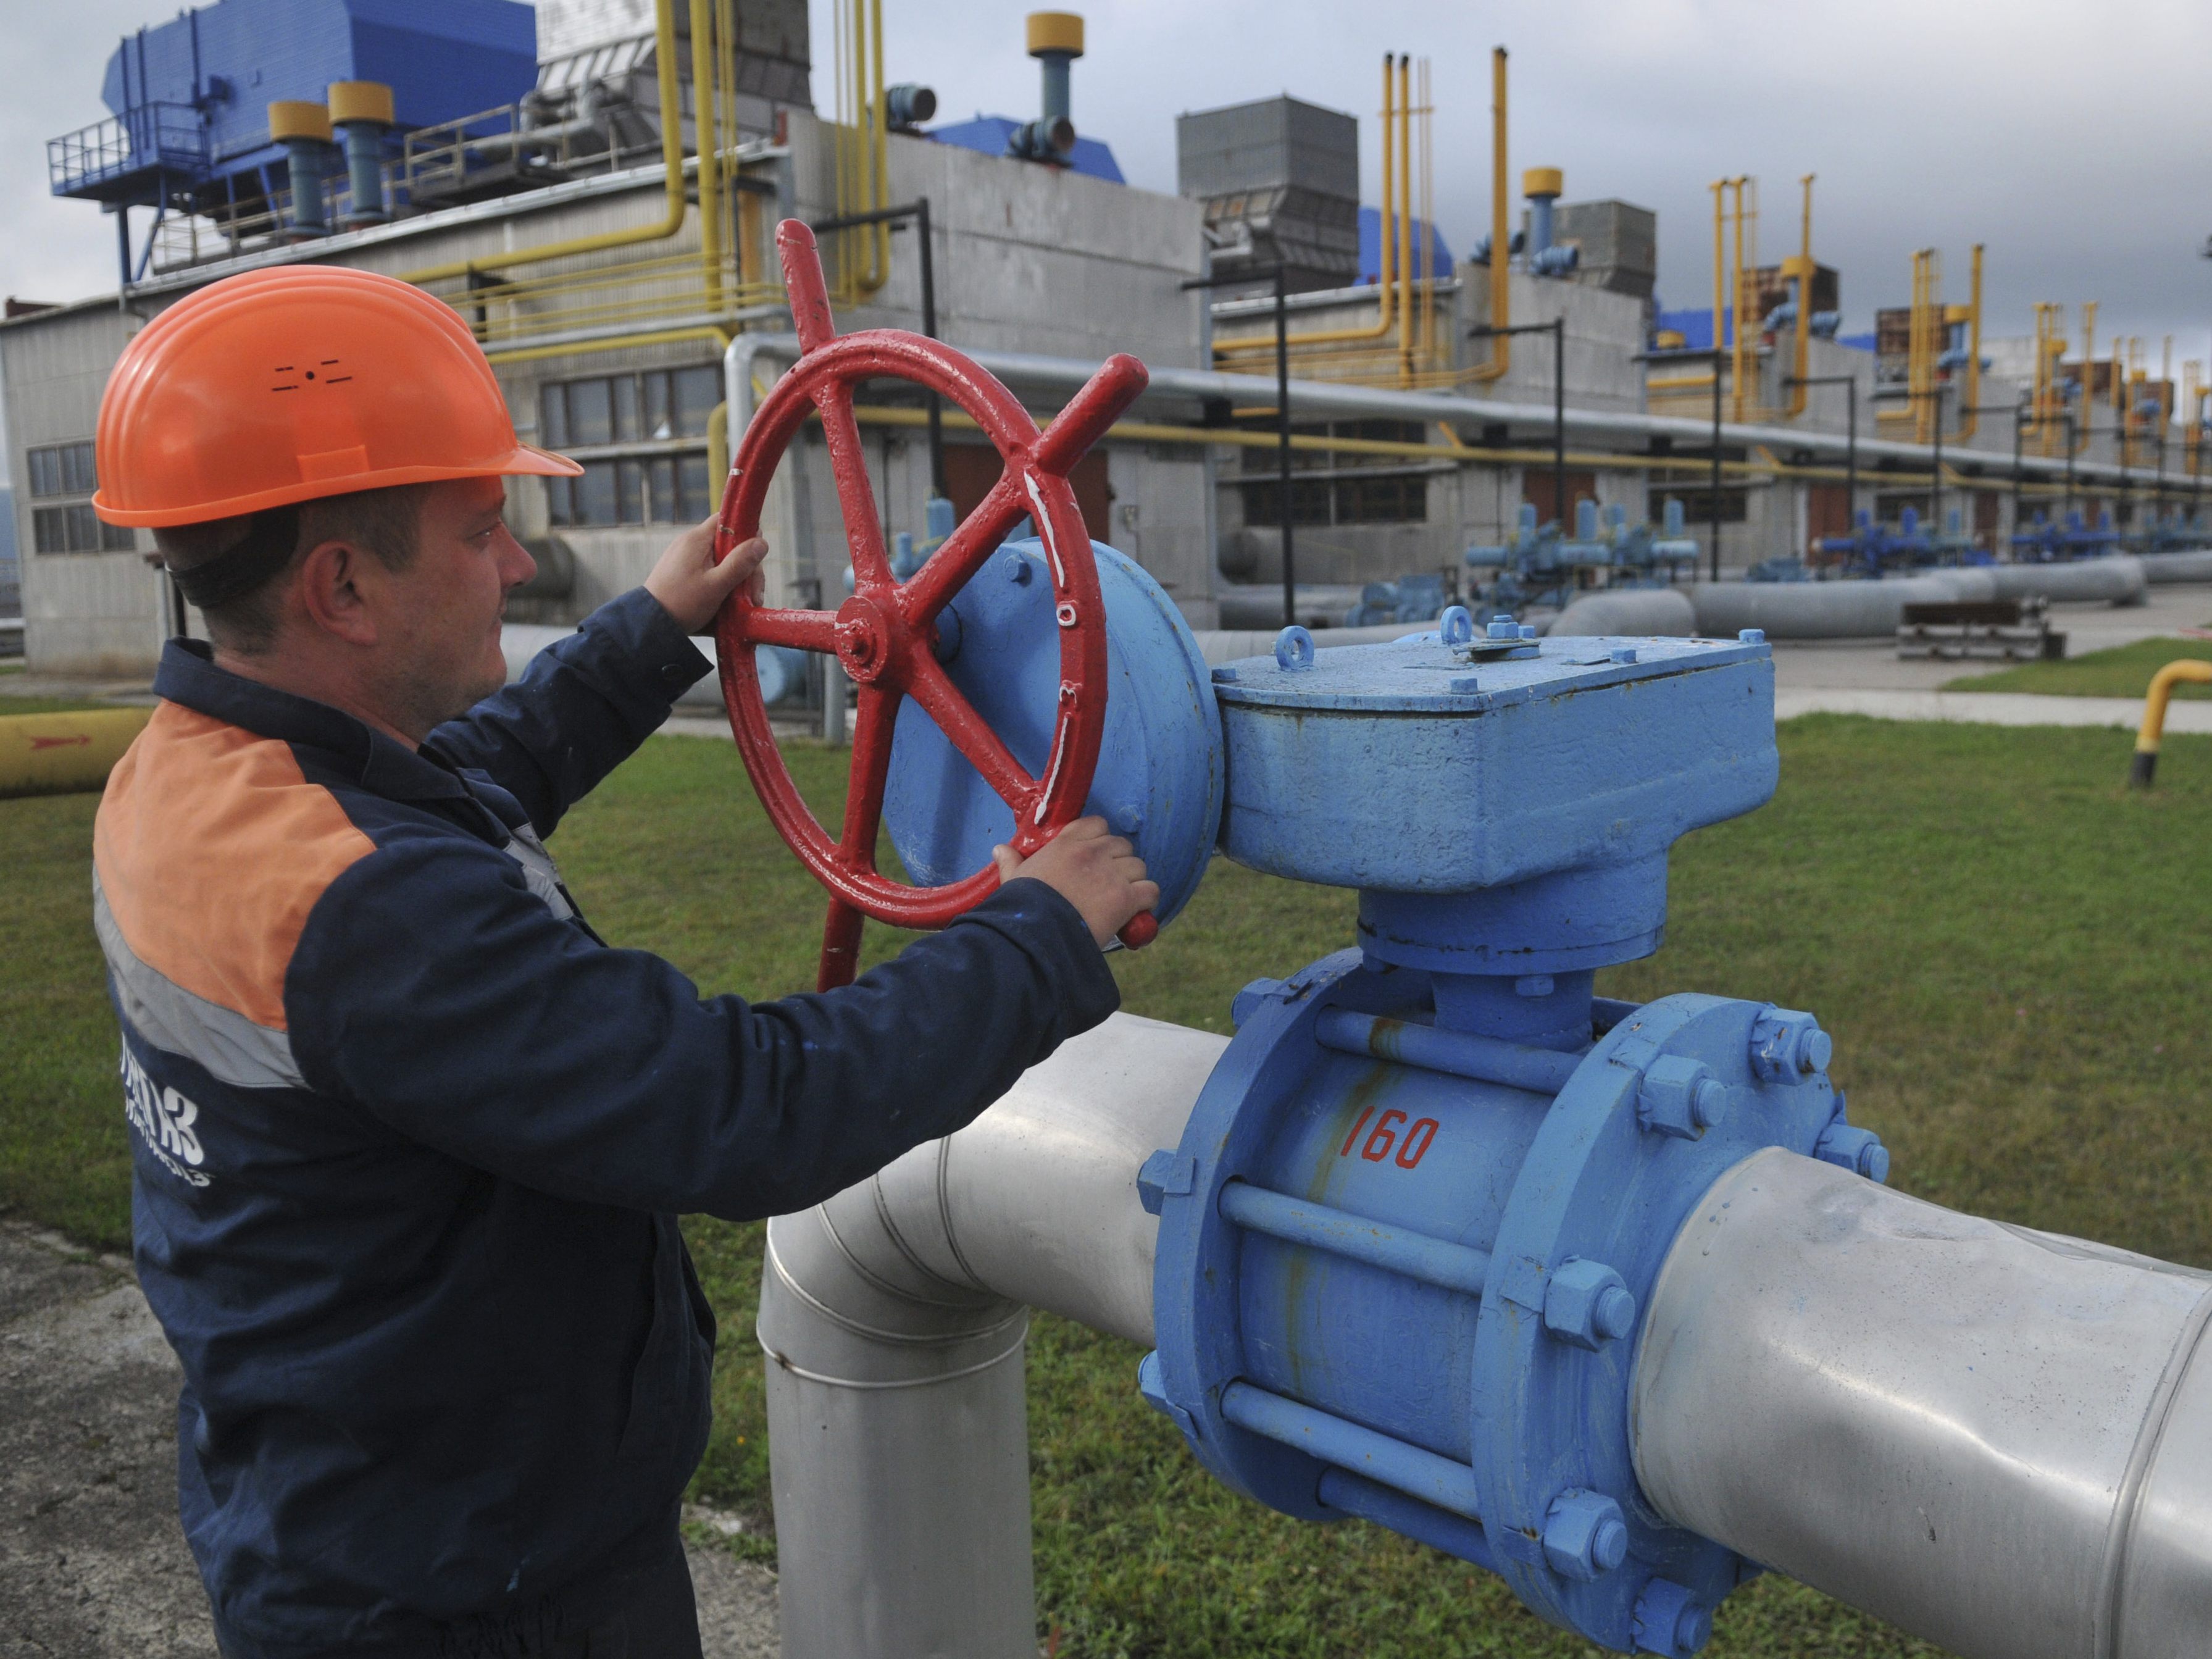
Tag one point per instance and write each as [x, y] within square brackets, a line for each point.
[546, 173]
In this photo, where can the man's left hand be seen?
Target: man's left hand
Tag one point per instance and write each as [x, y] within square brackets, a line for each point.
[691, 587]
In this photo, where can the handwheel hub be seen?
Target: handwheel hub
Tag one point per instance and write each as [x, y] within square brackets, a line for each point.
[864, 638]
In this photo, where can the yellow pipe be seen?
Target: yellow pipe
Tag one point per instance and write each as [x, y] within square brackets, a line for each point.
[2153, 730]
[718, 449]
[1720, 273]
[1501, 274]
[671, 156]
[721, 336]
[65, 754]
[1678, 382]
[1738, 340]
[1799, 392]
[1969, 420]
[708, 141]
[1405, 223]
[1386, 278]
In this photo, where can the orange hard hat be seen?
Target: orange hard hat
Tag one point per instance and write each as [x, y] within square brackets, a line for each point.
[285, 384]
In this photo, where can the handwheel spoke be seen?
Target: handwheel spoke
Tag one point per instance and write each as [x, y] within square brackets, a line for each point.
[848, 462]
[972, 541]
[802, 630]
[874, 728]
[840, 946]
[928, 685]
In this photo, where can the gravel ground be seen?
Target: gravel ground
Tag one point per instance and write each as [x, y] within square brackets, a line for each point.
[91, 1563]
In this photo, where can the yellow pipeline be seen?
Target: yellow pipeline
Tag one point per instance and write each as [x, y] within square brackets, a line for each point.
[706, 129]
[721, 336]
[2153, 730]
[1969, 419]
[1719, 187]
[1501, 236]
[1739, 341]
[65, 754]
[1799, 392]
[1387, 288]
[671, 156]
[1405, 223]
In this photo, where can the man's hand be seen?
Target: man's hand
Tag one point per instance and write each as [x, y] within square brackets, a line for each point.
[691, 586]
[1096, 872]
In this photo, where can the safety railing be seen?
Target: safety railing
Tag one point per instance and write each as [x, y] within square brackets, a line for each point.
[150, 136]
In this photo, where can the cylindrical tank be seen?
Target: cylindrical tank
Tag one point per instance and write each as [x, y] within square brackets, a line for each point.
[1999, 1440]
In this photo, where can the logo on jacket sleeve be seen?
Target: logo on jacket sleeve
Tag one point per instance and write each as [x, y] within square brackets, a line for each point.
[164, 1119]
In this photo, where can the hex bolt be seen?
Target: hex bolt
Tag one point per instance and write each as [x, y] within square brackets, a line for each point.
[1669, 1621]
[1751, 635]
[1787, 1043]
[1503, 628]
[1465, 684]
[1018, 570]
[1624, 653]
[1584, 1536]
[1680, 1097]
[1850, 1147]
[1587, 1304]
[1528, 630]
[1166, 1173]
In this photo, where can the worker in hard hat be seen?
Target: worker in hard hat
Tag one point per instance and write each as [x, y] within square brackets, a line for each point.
[410, 1139]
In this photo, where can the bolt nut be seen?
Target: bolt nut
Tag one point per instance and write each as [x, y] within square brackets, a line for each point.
[1587, 1304]
[1584, 1536]
[1624, 653]
[1166, 1173]
[1680, 1097]
[1018, 569]
[1669, 1621]
[1850, 1147]
[1751, 635]
[1786, 1044]
[1465, 685]
[1504, 628]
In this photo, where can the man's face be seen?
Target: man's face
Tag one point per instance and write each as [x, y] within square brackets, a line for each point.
[438, 629]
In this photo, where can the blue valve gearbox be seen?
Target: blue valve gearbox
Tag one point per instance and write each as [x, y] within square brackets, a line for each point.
[1407, 1236]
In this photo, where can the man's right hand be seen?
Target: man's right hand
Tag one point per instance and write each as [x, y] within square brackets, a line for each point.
[1098, 873]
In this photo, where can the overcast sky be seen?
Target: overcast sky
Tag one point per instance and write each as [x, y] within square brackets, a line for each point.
[2064, 134]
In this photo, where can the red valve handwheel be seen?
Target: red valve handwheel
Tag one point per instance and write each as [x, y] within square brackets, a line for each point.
[885, 635]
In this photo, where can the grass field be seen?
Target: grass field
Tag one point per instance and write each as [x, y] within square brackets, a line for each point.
[2000, 937]
[2123, 671]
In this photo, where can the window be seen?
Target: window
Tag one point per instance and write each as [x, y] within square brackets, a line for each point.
[1391, 498]
[62, 525]
[651, 412]
[1698, 505]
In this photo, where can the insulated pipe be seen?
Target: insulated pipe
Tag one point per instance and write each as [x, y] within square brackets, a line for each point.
[1999, 1440]
[1039, 372]
[360, 114]
[65, 754]
[1630, 612]
[892, 1320]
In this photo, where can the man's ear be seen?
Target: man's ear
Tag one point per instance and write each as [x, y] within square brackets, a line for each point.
[328, 586]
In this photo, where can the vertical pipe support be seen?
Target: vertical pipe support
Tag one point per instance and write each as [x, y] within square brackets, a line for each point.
[1501, 233]
[303, 127]
[706, 143]
[360, 114]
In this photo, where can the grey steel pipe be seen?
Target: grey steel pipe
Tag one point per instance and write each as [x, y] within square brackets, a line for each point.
[1999, 1440]
[1632, 612]
[2118, 578]
[1827, 611]
[2193, 566]
[892, 1319]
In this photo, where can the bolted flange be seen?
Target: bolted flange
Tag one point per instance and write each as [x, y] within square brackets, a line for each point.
[1587, 1303]
[1584, 1536]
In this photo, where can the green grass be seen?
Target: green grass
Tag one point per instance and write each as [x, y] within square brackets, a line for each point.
[2123, 671]
[1999, 935]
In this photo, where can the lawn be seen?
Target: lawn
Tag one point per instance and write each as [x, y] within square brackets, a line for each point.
[2123, 671]
[1997, 931]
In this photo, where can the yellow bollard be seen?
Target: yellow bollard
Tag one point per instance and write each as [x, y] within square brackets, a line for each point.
[2191, 669]
[62, 754]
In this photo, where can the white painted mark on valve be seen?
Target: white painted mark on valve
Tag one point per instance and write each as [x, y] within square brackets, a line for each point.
[1044, 530]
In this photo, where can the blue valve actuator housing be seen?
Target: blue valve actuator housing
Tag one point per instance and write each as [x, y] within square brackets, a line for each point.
[1407, 1234]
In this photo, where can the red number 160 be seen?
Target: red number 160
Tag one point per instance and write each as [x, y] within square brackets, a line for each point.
[1411, 1149]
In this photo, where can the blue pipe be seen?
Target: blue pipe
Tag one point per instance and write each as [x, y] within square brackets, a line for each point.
[364, 153]
[304, 158]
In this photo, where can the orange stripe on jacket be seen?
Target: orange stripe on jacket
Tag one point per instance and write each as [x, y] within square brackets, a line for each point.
[212, 847]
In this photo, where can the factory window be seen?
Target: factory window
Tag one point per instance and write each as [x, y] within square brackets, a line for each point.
[1698, 505]
[648, 489]
[1391, 498]
[651, 409]
[60, 524]
[1262, 458]
[657, 405]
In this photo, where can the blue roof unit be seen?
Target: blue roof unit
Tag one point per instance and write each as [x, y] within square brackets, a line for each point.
[1370, 246]
[190, 97]
[989, 134]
